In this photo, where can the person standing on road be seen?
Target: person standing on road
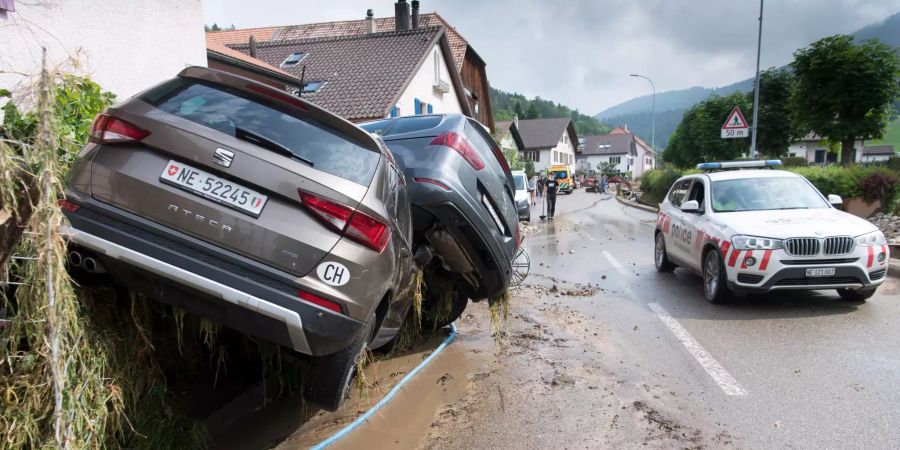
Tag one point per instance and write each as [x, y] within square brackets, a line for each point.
[540, 186]
[603, 182]
[552, 185]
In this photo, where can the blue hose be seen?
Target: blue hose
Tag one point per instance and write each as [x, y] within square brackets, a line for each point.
[390, 395]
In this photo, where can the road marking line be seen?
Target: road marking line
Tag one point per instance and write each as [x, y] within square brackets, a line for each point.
[615, 263]
[713, 368]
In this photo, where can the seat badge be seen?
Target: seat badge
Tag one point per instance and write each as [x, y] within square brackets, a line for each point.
[223, 157]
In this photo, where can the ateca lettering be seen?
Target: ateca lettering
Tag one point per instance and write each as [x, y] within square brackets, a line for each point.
[682, 234]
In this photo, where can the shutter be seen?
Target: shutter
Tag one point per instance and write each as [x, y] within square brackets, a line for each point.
[394, 112]
[430, 109]
[418, 107]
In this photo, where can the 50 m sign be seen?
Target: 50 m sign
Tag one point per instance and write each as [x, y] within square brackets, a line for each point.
[735, 133]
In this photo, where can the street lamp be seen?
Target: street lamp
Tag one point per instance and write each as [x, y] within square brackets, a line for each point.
[653, 112]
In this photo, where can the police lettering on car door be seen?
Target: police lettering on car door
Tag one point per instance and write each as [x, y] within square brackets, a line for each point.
[682, 235]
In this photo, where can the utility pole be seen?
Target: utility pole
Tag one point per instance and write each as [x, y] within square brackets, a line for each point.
[652, 113]
[754, 130]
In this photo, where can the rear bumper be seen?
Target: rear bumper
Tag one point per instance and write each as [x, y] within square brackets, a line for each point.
[209, 284]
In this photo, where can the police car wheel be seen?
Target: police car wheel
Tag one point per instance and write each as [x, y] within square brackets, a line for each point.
[660, 257]
[715, 281]
[855, 295]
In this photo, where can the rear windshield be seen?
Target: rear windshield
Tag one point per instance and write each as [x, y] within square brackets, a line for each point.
[229, 111]
[560, 174]
[403, 125]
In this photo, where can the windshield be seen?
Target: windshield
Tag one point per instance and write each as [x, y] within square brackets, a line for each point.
[560, 174]
[760, 194]
[520, 182]
[231, 113]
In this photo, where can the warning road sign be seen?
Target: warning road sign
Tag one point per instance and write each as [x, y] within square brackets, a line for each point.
[735, 126]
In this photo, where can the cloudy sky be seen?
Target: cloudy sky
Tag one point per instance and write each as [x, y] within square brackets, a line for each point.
[580, 52]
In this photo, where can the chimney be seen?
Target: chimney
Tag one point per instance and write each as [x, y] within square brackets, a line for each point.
[516, 120]
[415, 14]
[401, 15]
[252, 46]
[370, 21]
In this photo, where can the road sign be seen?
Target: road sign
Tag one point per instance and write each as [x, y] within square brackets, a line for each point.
[736, 126]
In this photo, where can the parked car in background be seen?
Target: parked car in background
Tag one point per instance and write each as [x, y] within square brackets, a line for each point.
[462, 192]
[522, 195]
[238, 202]
[742, 233]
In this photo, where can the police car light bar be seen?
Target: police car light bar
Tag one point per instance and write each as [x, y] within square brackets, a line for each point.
[724, 165]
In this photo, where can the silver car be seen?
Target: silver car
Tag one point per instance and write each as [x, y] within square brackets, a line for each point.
[249, 206]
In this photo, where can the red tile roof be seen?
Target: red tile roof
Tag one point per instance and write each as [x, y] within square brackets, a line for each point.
[221, 49]
[458, 44]
[363, 74]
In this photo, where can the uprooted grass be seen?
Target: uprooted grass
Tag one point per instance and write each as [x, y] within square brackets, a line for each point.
[498, 309]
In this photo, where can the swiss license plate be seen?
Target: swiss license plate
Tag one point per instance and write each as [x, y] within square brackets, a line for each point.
[820, 272]
[214, 188]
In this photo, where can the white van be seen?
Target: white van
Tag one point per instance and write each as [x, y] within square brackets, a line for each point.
[523, 196]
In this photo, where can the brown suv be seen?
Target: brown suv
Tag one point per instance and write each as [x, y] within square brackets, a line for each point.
[244, 204]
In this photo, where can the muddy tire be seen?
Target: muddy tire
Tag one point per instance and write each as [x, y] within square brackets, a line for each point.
[327, 379]
[433, 318]
[715, 280]
[855, 295]
[660, 256]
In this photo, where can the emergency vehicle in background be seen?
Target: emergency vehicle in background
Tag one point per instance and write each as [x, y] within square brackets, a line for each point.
[746, 227]
[563, 175]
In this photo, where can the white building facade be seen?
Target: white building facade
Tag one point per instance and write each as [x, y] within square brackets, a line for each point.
[546, 142]
[125, 47]
[430, 91]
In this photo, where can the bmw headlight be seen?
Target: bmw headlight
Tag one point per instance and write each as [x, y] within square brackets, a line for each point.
[755, 243]
[874, 238]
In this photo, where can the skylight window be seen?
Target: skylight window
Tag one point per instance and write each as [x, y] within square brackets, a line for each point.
[312, 86]
[293, 59]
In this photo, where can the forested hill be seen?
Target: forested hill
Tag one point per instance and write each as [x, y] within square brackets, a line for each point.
[506, 104]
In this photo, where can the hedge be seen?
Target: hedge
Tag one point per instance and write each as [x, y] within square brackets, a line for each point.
[853, 181]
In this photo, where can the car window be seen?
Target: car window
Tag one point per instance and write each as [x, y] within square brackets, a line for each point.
[411, 124]
[698, 191]
[520, 182]
[760, 194]
[679, 189]
[560, 174]
[229, 112]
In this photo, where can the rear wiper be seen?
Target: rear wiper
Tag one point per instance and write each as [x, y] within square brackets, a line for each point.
[254, 138]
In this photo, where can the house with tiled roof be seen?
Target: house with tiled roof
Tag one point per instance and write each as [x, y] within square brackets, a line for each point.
[370, 76]
[876, 153]
[625, 151]
[221, 57]
[466, 61]
[546, 142]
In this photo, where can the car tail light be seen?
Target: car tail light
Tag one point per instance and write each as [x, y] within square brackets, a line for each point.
[348, 222]
[68, 206]
[431, 181]
[108, 129]
[316, 300]
[462, 146]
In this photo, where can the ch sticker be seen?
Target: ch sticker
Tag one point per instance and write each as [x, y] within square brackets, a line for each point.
[333, 274]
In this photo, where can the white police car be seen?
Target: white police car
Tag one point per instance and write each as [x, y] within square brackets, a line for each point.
[760, 230]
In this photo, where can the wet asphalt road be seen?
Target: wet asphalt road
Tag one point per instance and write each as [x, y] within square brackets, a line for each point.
[816, 372]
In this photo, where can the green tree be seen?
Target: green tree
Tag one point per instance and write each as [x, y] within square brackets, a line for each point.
[517, 110]
[844, 91]
[529, 168]
[776, 129]
[697, 138]
[606, 167]
[532, 112]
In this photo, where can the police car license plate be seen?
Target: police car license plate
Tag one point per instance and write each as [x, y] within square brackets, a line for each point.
[213, 188]
[820, 272]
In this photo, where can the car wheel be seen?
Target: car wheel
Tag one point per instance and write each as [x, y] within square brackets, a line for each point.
[855, 295]
[715, 281]
[435, 316]
[327, 379]
[660, 257]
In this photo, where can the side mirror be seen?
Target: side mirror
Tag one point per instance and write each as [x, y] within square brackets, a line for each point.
[690, 206]
[835, 200]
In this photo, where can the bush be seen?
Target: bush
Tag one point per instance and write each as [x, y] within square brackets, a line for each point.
[656, 183]
[843, 181]
[880, 185]
[794, 161]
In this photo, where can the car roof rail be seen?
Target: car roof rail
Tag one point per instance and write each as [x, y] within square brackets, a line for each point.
[738, 165]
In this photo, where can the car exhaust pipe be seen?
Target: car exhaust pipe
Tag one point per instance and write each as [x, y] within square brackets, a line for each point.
[75, 259]
[93, 266]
